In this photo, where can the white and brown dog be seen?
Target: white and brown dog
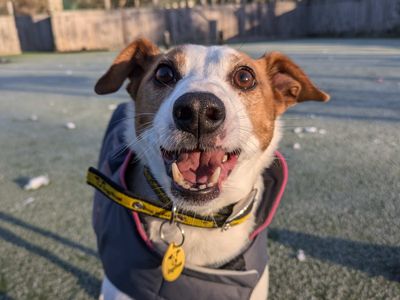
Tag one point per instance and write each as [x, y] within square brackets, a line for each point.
[205, 121]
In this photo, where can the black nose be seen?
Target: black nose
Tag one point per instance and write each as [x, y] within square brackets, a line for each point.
[198, 113]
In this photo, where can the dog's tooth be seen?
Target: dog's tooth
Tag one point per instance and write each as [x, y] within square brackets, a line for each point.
[225, 158]
[193, 189]
[202, 186]
[210, 184]
[214, 178]
[186, 185]
[177, 175]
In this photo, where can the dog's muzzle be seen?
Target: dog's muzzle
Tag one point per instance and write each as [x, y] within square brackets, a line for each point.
[199, 164]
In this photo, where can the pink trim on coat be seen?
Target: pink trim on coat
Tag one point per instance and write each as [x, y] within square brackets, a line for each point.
[277, 200]
[139, 226]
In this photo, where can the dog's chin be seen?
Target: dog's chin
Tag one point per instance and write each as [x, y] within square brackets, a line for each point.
[197, 176]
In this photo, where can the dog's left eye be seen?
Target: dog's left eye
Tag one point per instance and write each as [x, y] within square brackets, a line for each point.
[165, 74]
[243, 78]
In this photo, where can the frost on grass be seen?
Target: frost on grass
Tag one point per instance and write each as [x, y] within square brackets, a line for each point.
[310, 129]
[298, 130]
[28, 201]
[70, 125]
[112, 106]
[33, 118]
[296, 146]
[301, 256]
[37, 182]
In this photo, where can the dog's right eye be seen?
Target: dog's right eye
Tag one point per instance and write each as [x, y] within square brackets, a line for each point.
[244, 78]
[165, 74]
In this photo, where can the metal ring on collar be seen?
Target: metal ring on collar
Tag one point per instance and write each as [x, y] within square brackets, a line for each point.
[173, 213]
[162, 236]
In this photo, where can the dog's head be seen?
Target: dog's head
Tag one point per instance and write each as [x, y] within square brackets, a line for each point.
[206, 118]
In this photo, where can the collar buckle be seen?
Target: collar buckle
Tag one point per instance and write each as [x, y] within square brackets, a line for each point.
[241, 209]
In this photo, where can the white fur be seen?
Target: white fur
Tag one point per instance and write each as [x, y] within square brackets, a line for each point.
[111, 292]
[260, 292]
[206, 69]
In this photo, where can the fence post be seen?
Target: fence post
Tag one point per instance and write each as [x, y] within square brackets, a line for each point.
[124, 26]
[212, 32]
[107, 4]
[10, 8]
[55, 5]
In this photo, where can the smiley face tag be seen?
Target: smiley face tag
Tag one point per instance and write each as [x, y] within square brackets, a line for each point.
[173, 262]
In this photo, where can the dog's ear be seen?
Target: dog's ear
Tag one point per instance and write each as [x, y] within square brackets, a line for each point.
[289, 83]
[131, 62]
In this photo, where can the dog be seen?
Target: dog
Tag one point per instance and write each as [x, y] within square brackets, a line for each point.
[205, 124]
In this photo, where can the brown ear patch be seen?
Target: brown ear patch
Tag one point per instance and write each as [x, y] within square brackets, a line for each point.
[131, 62]
[289, 83]
[280, 84]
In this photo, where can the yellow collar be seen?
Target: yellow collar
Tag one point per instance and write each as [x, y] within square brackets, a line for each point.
[238, 213]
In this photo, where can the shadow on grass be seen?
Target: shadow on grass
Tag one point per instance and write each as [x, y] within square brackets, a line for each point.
[48, 234]
[5, 297]
[89, 283]
[21, 181]
[375, 260]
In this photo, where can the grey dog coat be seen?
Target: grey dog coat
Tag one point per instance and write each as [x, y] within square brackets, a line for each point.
[134, 267]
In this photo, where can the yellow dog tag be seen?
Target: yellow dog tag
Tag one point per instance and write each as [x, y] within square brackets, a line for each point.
[173, 262]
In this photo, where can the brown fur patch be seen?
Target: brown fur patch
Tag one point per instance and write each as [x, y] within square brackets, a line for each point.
[259, 102]
[178, 57]
[149, 96]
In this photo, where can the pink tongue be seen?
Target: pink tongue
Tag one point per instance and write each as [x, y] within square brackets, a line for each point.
[197, 167]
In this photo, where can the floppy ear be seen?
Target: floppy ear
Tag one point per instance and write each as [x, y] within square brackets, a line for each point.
[131, 62]
[289, 83]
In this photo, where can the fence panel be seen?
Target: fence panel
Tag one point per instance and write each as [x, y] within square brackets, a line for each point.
[87, 30]
[9, 42]
[35, 33]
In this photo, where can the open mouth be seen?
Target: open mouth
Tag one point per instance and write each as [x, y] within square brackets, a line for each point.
[197, 175]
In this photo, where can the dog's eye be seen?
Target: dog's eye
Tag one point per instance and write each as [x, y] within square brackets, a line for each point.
[165, 74]
[243, 78]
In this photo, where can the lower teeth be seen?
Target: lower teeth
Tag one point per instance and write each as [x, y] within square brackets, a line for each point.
[196, 188]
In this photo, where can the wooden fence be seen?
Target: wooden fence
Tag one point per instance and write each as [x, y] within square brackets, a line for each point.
[111, 29]
[9, 42]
